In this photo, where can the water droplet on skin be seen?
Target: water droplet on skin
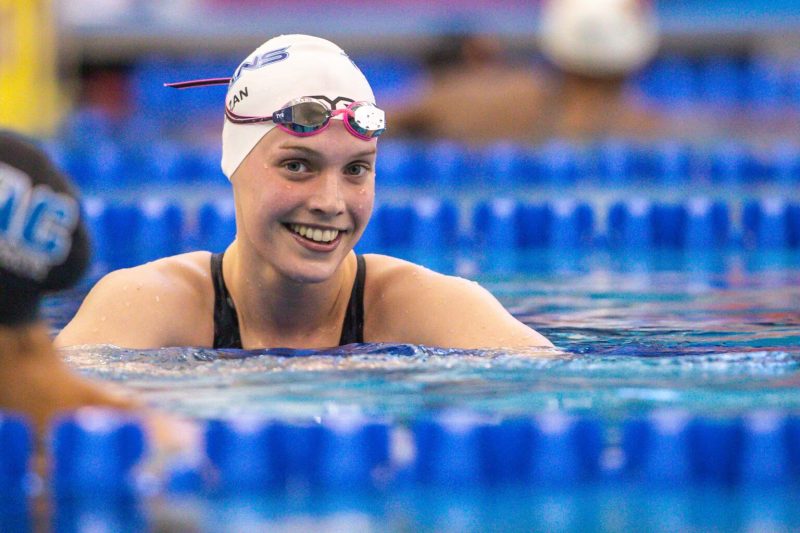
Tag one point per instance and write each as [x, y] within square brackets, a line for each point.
[362, 191]
[158, 298]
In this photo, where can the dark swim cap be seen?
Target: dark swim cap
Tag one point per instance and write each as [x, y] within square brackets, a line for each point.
[43, 242]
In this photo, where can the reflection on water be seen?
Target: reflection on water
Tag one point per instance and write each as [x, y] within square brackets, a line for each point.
[718, 335]
[714, 334]
[495, 509]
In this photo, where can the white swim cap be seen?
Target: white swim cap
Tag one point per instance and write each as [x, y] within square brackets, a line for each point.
[280, 70]
[598, 37]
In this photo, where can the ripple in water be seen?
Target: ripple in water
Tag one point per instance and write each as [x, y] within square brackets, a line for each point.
[629, 341]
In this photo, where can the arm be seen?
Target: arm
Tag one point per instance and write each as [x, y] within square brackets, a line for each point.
[149, 306]
[36, 382]
[420, 306]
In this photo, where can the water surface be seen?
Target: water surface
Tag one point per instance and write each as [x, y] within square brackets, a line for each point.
[716, 335]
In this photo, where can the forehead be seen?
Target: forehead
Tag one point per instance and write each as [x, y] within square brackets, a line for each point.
[334, 142]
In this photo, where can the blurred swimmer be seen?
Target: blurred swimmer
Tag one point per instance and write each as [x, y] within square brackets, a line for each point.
[299, 145]
[43, 248]
[595, 46]
[470, 71]
[591, 46]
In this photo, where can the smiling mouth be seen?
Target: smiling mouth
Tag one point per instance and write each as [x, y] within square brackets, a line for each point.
[318, 235]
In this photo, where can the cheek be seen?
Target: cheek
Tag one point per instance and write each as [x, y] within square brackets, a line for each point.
[275, 200]
[363, 201]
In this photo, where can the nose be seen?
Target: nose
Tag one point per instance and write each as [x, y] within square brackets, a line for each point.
[327, 199]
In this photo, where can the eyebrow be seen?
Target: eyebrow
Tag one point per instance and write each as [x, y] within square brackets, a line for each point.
[311, 152]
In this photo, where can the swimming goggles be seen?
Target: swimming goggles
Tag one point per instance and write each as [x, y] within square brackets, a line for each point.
[307, 115]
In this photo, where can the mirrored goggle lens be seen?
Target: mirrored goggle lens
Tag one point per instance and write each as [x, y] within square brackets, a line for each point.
[310, 114]
[303, 117]
[366, 119]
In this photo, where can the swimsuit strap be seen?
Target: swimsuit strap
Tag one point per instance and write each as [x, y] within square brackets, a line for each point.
[353, 329]
[226, 320]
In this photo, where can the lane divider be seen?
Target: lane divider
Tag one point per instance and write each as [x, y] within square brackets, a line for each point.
[100, 452]
[127, 234]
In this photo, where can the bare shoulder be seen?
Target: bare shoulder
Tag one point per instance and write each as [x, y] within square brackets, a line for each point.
[406, 302]
[397, 281]
[161, 303]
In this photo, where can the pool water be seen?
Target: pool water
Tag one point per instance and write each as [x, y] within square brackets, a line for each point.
[712, 334]
[629, 338]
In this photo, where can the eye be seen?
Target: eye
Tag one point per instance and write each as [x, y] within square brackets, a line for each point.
[295, 166]
[356, 169]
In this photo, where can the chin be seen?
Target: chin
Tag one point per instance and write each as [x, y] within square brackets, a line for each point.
[312, 271]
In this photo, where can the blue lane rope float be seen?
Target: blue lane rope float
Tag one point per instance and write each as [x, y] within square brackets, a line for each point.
[104, 164]
[94, 452]
[766, 224]
[15, 454]
[216, 225]
[128, 233]
[631, 224]
[98, 452]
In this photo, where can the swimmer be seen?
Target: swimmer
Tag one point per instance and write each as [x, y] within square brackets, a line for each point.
[43, 248]
[299, 145]
[595, 46]
[460, 67]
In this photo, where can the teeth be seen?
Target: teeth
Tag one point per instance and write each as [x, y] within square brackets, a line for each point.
[315, 234]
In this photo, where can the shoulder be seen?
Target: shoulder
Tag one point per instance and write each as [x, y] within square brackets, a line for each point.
[156, 304]
[395, 280]
[171, 280]
[406, 302]
[396, 276]
[175, 274]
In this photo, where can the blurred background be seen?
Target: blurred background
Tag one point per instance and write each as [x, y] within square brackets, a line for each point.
[512, 124]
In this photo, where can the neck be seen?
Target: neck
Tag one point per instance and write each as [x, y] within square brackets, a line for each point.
[24, 341]
[588, 105]
[276, 310]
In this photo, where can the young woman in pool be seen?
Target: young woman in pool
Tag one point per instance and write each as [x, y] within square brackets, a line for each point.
[299, 144]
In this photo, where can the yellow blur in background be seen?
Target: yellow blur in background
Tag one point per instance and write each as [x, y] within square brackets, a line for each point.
[29, 92]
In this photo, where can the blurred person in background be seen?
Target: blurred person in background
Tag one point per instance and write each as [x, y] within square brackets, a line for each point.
[476, 95]
[43, 248]
[595, 46]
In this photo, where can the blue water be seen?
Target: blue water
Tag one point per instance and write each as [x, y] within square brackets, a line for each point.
[712, 334]
[497, 509]
[631, 336]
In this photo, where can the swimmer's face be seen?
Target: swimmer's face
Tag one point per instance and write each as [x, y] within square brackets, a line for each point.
[302, 203]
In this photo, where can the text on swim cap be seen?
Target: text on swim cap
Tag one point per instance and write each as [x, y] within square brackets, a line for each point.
[243, 93]
[273, 56]
[36, 224]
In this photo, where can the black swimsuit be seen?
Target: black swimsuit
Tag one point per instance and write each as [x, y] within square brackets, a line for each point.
[226, 321]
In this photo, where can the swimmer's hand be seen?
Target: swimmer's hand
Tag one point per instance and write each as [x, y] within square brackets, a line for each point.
[37, 384]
